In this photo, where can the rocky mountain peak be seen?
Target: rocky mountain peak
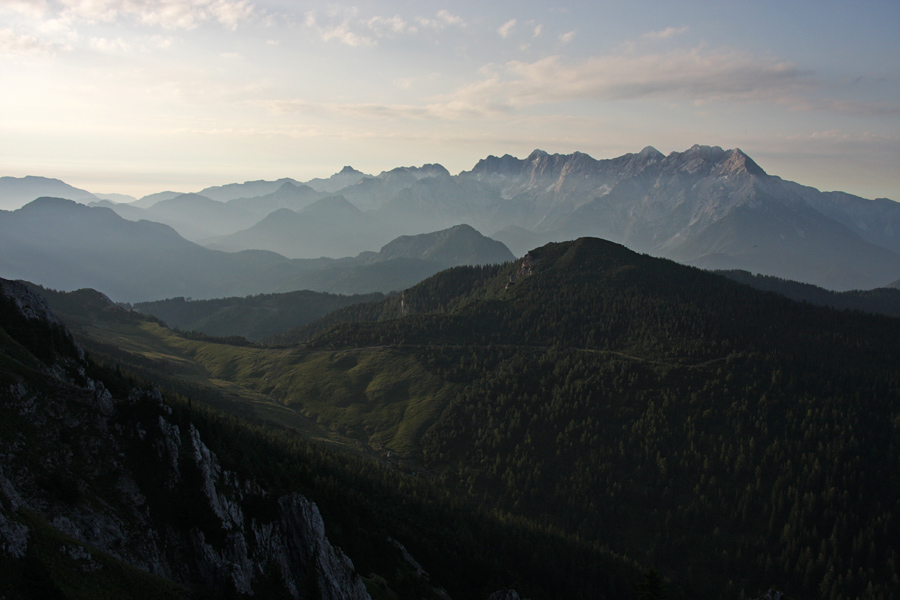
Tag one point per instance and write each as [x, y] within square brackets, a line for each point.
[506, 165]
[735, 161]
[30, 305]
[537, 155]
[696, 160]
[432, 170]
[345, 177]
[649, 153]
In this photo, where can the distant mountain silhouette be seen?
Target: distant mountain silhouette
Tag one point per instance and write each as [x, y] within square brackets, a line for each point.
[248, 189]
[460, 245]
[193, 216]
[330, 227]
[347, 176]
[60, 244]
[294, 196]
[151, 199]
[706, 206]
[18, 191]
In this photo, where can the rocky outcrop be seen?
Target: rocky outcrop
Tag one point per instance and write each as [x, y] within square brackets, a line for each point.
[134, 479]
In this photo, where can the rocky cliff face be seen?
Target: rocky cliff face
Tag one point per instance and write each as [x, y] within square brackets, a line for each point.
[125, 480]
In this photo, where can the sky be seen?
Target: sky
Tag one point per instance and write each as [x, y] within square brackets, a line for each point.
[137, 96]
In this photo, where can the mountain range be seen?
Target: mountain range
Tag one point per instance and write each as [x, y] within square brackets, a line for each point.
[704, 206]
[64, 245]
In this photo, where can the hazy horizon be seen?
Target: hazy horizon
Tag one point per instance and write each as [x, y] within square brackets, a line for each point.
[136, 97]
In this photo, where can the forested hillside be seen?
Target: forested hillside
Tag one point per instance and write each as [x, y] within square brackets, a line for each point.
[729, 438]
[105, 481]
[726, 435]
[884, 300]
[251, 317]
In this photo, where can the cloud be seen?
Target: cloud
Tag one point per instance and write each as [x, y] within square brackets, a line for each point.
[506, 29]
[693, 75]
[343, 34]
[665, 34]
[450, 19]
[441, 110]
[567, 37]
[109, 46]
[538, 29]
[855, 108]
[348, 28]
[30, 8]
[169, 14]
[389, 26]
[12, 43]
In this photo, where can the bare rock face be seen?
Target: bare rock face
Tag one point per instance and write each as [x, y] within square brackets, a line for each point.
[134, 479]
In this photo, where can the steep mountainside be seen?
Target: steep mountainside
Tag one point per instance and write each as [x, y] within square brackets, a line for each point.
[106, 491]
[724, 434]
[705, 206]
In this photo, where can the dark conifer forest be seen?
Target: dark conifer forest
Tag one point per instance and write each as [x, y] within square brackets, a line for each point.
[611, 425]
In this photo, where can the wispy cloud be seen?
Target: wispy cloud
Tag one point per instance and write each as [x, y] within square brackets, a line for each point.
[567, 37]
[665, 34]
[348, 28]
[450, 19]
[173, 14]
[12, 43]
[108, 45]
[694, 75]
[506, 29]
[169, 14]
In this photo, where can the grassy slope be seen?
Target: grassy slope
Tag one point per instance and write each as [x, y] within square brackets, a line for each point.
[375, 396]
